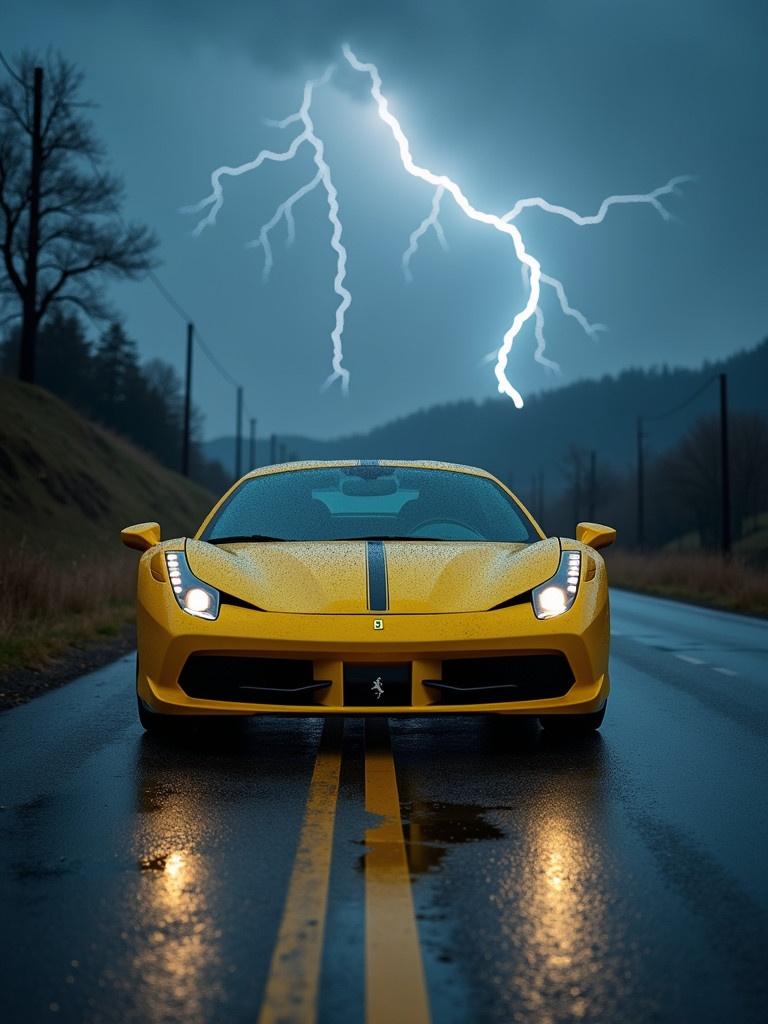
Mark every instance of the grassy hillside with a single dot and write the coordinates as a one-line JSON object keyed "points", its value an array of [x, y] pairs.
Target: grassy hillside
{"points": [[66, 488]]}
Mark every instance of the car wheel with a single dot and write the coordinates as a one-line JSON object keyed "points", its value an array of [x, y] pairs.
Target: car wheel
{"points": [[573, 725]]}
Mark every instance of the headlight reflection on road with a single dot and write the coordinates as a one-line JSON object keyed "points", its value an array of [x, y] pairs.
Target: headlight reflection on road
{"points": [[179, 959], [563, 913], [557, 925], [562, 931]]}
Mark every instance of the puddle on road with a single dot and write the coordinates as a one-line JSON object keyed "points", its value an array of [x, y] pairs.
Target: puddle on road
{"points": [[432, 828]]}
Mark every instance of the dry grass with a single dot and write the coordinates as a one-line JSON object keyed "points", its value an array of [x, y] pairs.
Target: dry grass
{"points": [[66, 489], [47, 607], [702, 577]]}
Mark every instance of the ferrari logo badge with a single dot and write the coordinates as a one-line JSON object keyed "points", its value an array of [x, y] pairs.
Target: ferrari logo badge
{"points": [[377, 688], [378, 623]]}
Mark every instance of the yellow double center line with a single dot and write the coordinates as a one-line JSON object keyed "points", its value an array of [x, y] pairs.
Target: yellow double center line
{"points": [[395, 989], [394, 973]]}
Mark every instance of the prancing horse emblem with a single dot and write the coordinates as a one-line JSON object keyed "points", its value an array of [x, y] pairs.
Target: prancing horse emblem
{"points": [[377, 688]]}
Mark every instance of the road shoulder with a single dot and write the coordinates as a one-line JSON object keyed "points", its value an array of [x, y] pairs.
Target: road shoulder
{"points": [[18, 686]]}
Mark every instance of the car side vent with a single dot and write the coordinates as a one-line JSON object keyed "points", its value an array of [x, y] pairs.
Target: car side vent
{"points": [[239, 603], [524, 598]]}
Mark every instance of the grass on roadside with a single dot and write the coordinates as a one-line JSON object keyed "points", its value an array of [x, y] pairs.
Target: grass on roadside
{"points": [[47, 607], [702, 577]]}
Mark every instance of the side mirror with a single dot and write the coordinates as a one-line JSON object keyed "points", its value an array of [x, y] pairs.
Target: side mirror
{"points": [[595, 534], [141, 537]]}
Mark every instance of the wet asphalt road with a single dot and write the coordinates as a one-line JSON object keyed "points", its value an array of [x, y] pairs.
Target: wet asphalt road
{"points": [[619, 878]]}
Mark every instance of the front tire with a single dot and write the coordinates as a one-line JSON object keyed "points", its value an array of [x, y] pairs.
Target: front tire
{"points": [[573, 725], [160, 725]]}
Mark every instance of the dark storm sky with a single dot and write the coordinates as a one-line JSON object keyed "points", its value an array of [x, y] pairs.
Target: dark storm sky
{"points": [[569, 99]]}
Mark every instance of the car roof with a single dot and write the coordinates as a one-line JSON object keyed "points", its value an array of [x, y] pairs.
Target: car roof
{"points": [[284, 467]]}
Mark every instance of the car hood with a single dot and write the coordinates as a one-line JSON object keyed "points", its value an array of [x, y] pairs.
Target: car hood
{"points": [[332, 577]]}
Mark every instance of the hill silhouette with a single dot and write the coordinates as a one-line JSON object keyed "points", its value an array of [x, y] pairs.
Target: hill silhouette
{"points": [[516, 445]]}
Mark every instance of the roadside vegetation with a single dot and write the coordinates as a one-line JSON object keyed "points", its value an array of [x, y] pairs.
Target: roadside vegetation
{"points": [[67, 487], [698, 576], [47, 608]]}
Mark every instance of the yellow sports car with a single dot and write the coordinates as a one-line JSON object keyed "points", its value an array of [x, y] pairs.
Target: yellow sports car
{"points": [[372, 587]]}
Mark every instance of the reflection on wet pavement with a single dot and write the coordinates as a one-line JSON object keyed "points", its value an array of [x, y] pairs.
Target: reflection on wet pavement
{"points": [[432, 827], [176, 952], [553, 881]]}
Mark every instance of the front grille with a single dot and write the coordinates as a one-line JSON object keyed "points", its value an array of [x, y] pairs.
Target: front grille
{"points": [[512, 678], [251, 680], [377, 685]]}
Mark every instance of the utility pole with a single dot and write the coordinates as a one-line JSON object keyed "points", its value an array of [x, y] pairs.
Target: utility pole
{"points": [[29, 304], [592, 484], [239, 435], [725, 470], [577, 487], [187, 403], [252, 444], [640, 485], [272, 449]]}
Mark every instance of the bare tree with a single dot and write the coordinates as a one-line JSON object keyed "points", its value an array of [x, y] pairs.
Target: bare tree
{"points": [[686, 480], [61, 231]]}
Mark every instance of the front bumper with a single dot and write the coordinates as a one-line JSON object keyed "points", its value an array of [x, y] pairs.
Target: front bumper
{"points": [[168, 638]]}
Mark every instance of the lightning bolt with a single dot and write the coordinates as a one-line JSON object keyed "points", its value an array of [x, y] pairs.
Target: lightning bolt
{"points": [[532, 273], [431, 221], [651, 198], [541, 343], [450, 186], [214, 201]]}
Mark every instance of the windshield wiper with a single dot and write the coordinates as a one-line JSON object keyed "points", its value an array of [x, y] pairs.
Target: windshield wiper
{"points": [[388, 536], [242, 540]]}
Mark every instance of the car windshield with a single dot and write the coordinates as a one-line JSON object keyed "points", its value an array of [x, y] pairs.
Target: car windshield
{"points": [[369, 503]]}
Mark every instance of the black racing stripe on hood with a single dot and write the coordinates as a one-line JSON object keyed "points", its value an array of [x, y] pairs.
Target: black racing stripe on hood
{"points": [[376, 571]]}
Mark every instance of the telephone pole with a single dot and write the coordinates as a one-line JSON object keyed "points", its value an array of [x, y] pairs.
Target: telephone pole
{"points": [[725, 470], [29, 303], [640, 485], [187, 403], [252, 444], [239, 435], [592, 485]]}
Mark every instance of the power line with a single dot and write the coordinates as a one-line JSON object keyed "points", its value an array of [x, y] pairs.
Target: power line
{"points": [[11, 71], [682, 405], [188, 318], [167, 296]]}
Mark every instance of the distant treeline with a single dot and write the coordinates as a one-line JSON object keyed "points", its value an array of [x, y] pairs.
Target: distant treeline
{"points": [[106, 382]]}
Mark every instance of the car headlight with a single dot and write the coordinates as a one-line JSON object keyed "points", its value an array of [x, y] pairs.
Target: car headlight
{"points": [[558, 594], [193, 596]]}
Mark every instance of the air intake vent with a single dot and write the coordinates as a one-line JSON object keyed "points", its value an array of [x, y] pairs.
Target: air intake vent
{"points": [[512, 678], [251, 680]]}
